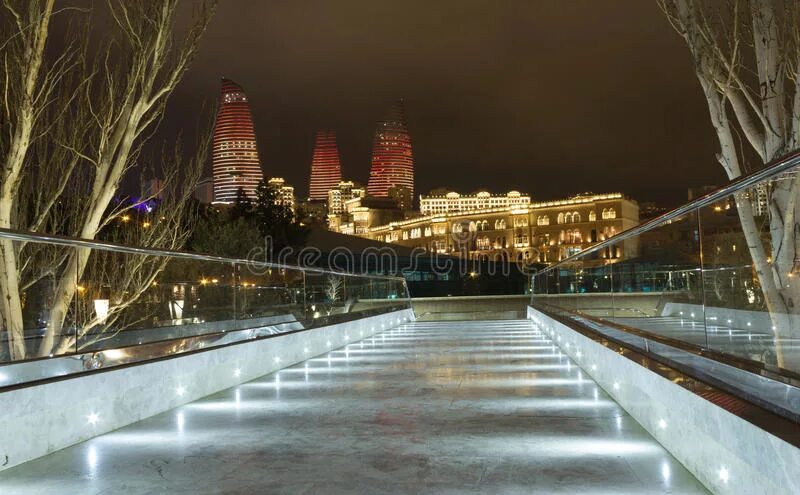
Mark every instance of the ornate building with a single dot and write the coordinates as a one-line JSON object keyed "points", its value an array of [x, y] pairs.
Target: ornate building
{"points": [[438, 202], [235, 160], [543, 232], [392, 155], [326, 169]]}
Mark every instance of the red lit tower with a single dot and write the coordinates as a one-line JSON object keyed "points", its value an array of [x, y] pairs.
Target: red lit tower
{"points": [[235, 160], [392, 156], [326, 170]]}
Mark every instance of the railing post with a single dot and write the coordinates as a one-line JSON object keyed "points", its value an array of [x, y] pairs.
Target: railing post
{"points": [[305, 298], [702, 272]]}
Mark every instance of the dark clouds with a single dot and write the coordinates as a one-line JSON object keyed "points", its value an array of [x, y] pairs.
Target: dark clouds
{"points": [[552, 98]]}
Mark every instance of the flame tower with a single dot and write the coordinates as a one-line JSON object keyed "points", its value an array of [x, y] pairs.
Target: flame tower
{"points": [[392, 156], [235, 160], [326, 170]]}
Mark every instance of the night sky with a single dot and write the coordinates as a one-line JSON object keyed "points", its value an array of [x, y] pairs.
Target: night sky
{"points": [[550, 98]]}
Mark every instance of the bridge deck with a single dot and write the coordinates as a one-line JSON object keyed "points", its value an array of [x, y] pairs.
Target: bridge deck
{"points": [[433, 407]]}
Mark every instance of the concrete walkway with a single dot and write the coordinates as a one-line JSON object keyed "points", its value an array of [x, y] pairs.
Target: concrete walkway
{"points": [[434, 407]]}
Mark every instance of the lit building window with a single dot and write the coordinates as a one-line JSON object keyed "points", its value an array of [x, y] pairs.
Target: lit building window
{"points": [[609, 213]]}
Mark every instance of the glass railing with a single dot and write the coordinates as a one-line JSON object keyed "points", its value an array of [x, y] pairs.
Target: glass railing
{"points": [[719, 275], [79, 305]]}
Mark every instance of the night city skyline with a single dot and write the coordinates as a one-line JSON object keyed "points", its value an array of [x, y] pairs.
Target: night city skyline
{"points": [[497, 98], [359, 246]]}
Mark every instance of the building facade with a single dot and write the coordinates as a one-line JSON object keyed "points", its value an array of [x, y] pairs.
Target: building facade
{"points": [[344, 191], [361, 213], [235, 159], [544, 232], [326, 169], [441, 202], [392, 155], [284, 193]]}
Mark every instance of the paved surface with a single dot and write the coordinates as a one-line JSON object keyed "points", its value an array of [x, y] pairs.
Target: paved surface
{"points": [[434, 407]]}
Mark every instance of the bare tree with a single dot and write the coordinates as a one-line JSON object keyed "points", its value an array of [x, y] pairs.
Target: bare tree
{"points": [[333, 288], [89, 121], [747, 60]]}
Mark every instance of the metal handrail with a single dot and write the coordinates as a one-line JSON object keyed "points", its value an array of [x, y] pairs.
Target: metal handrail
{"points": [[776, 167], [110, 246]]}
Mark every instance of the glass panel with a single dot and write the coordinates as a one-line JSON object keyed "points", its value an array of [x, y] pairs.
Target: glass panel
{"points": [[130, 299], [659, 289], [33, 323], [265, 295], [749, 315], [594, 296]]}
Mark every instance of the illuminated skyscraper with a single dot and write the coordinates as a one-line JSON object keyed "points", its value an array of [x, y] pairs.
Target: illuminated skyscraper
{"points": [[392, 156], [236, 164], [326, 170]]}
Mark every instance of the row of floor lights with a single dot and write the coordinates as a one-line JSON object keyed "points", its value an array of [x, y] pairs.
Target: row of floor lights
{"points": [[724, 474], [93, 417]]}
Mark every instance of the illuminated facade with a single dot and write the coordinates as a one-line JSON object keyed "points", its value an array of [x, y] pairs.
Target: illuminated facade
{"points": [[326, 169], [453, 202], [344, 191], [392, 155], [284, 193], [236, 164], [543, 232]]}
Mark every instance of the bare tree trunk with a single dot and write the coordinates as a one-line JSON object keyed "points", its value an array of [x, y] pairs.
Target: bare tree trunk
{"points": [[27, 52]]}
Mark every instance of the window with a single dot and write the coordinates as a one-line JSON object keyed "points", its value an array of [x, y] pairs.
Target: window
{"points": [[609, 213], [500, 224], [576, 217], [592, 216], [543, 220], [560, 218]]}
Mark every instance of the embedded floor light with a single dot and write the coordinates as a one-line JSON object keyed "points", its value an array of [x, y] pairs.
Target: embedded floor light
{"points": [[662, 424], [616, 385], [93, 418], [305, 350], [723, 474], [180, 390]]}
